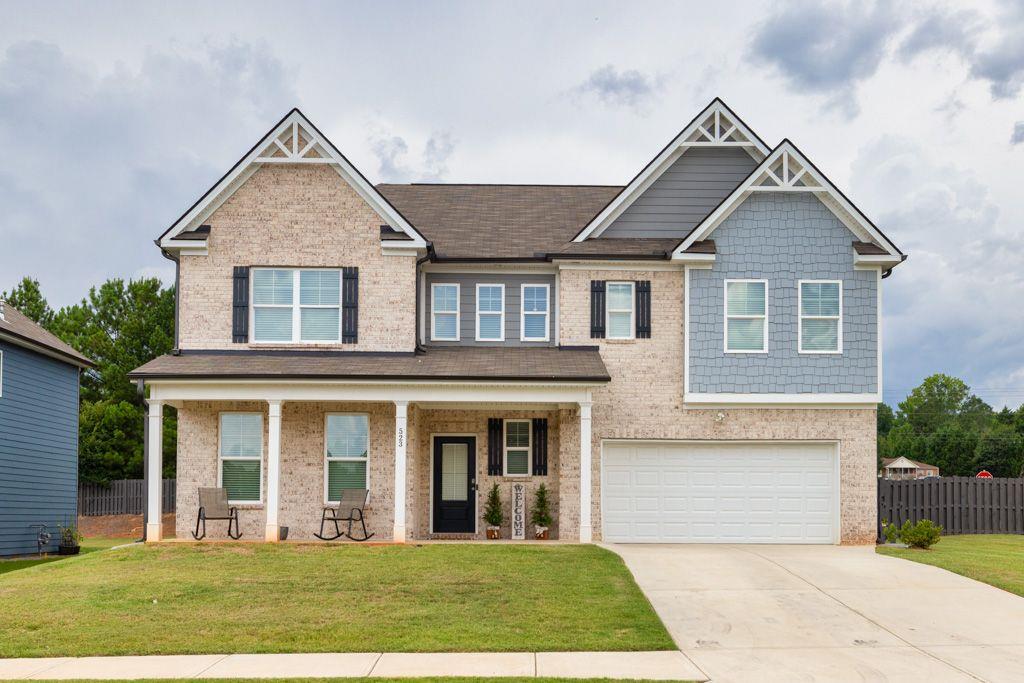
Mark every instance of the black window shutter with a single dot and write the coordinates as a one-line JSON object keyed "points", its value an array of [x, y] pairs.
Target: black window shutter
{"points": [[540, 446], [350, 306], [494, 450], [240, 305], [643, 309], [597, 309]]}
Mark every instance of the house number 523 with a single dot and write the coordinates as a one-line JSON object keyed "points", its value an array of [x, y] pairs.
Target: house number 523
{"points": [[401, 436]]}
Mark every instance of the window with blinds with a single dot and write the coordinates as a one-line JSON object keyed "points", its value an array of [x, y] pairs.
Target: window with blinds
{"points": [[821, 316], [490, 312], [746, 316], [535, 302], [346, 454], [620, 311], [444, 306], [296, 305], [241, 456], [517, 448]]}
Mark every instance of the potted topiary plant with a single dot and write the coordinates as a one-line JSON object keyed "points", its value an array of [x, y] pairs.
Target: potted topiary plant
{"points": [[70, 541], [493, 514], [541, 514]]}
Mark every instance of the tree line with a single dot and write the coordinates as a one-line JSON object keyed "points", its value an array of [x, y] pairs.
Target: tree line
{"points": [[119, 325], [943, 423]]}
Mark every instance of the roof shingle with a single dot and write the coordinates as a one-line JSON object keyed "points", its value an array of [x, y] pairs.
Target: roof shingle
{"points": [[19, 326]]}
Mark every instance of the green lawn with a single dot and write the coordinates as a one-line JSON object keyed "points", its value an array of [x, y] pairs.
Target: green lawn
{"points": [[229, 598], [995, 559], [89, 545]]}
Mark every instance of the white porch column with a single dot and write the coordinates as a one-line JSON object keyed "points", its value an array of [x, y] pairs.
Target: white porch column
{"points": [[273, 534], [586, 534], [154, 473], [401, 439]]}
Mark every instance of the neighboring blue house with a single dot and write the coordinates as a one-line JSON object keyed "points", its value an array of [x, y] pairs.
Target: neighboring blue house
{"points": [[38, 432]]}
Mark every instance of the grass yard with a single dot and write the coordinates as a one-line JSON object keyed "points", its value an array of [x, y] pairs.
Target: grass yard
{"points": [[995, 559], [251, 598], [89, 545]]}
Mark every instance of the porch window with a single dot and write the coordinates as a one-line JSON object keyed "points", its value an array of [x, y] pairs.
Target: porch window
{"points": [[620, 310], [444, 306], [534, 325], [346, 449], [490, 312], [517, 448], [241, 456], [296, 305]]}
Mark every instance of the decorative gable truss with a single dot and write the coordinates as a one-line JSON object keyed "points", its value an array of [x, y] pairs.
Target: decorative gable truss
{"points": [[294, 140], [786, 169], [715, 126]]}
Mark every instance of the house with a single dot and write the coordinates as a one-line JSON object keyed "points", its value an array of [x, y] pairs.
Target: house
{"points": [[38, 433], [694, 356], [905, 468]]}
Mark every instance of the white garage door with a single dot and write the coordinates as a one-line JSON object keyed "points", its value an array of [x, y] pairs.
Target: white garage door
{"points": [[678, 492]]}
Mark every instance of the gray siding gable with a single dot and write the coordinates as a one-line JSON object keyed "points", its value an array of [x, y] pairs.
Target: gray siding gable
{"points": [[467, 306], [38, 447], [684, 194], [783, 238]]}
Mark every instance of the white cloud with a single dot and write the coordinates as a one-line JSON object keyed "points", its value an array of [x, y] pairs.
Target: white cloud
{"points": [[628, 88]]}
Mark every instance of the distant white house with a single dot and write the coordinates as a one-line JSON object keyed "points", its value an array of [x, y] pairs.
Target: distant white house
{"points": [[905, 468]]}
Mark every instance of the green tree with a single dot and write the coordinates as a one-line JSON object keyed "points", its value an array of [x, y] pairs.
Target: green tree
{"points": [[28, 298], [1000, 450], [885, 419], [939, 399], [952, 448]]}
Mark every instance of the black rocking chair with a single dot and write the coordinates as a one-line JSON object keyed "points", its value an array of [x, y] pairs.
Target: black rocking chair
{"points": [[348, 509], [213, 505]]}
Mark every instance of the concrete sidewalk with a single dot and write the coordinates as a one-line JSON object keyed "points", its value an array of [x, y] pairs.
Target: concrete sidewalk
{"points": [[662, 665]]}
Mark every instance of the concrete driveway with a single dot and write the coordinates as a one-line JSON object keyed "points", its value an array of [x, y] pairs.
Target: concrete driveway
{"points": [[827, 613]]}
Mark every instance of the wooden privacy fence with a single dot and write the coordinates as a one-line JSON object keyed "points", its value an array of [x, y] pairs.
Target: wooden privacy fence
{"points": [[122, 497], [962, 505]]}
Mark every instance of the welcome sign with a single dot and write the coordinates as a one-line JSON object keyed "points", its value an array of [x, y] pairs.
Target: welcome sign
{"points": [[518, 512]]}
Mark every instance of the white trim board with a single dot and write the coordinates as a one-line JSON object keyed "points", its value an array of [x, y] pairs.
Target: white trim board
{"points": [[726, 130], [278, 146], [868, 400], [795, 174]]}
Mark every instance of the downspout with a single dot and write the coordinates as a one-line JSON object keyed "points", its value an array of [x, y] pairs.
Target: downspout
{"points": [[420, 261]]}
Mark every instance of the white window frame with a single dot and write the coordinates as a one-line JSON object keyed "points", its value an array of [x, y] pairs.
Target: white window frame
{"points": [[505, 448], [523, 312], [800, 317], [295, 305], [221, 457], [632, 310], [328, 460], [501, 314], [433, 311], [725, 309]]}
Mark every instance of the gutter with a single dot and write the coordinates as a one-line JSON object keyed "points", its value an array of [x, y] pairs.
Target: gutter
{"points": [[429, 256]]}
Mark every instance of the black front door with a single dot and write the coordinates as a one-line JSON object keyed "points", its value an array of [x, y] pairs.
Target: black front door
{"points": [[454, 484]]}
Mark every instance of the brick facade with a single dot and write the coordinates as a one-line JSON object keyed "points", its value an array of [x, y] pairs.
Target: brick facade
{"points": [[301, 215]]}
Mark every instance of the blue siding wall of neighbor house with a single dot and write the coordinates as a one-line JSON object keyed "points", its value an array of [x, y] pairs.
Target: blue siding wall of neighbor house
{"points": [[783, 238], [38, 447], [684, 194], [513, 303]]}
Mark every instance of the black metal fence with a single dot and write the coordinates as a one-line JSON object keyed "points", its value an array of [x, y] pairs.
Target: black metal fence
{"points": [[962, 505], [122, 497]]}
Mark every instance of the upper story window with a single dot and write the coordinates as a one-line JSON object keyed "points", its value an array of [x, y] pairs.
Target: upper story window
{"points": [[241, 456], [444, 306], [346, 449], [296, 305], [490, 312], [620, 310], [517, 448], [534, 323], [821, 316], [746, 316]]}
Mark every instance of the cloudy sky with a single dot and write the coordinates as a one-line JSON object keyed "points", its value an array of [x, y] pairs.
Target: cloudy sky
{"points": [[115, 117]]}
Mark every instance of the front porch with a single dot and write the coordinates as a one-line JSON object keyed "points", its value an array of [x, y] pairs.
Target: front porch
{"points": [[421, 445]]}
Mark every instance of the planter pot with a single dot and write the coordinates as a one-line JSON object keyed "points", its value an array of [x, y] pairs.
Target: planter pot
{"points": [[493, 533], [541, 533], [68, 549], [284, 533]]}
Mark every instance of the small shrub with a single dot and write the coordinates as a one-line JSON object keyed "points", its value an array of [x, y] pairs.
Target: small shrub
{"points": [[891, 531], [69, 536], [493, 514], [541, 515], [922, 535]]}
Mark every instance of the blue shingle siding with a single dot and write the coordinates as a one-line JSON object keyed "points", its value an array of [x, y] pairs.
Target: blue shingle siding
{"points": [[38, 447], [783, 238]]}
